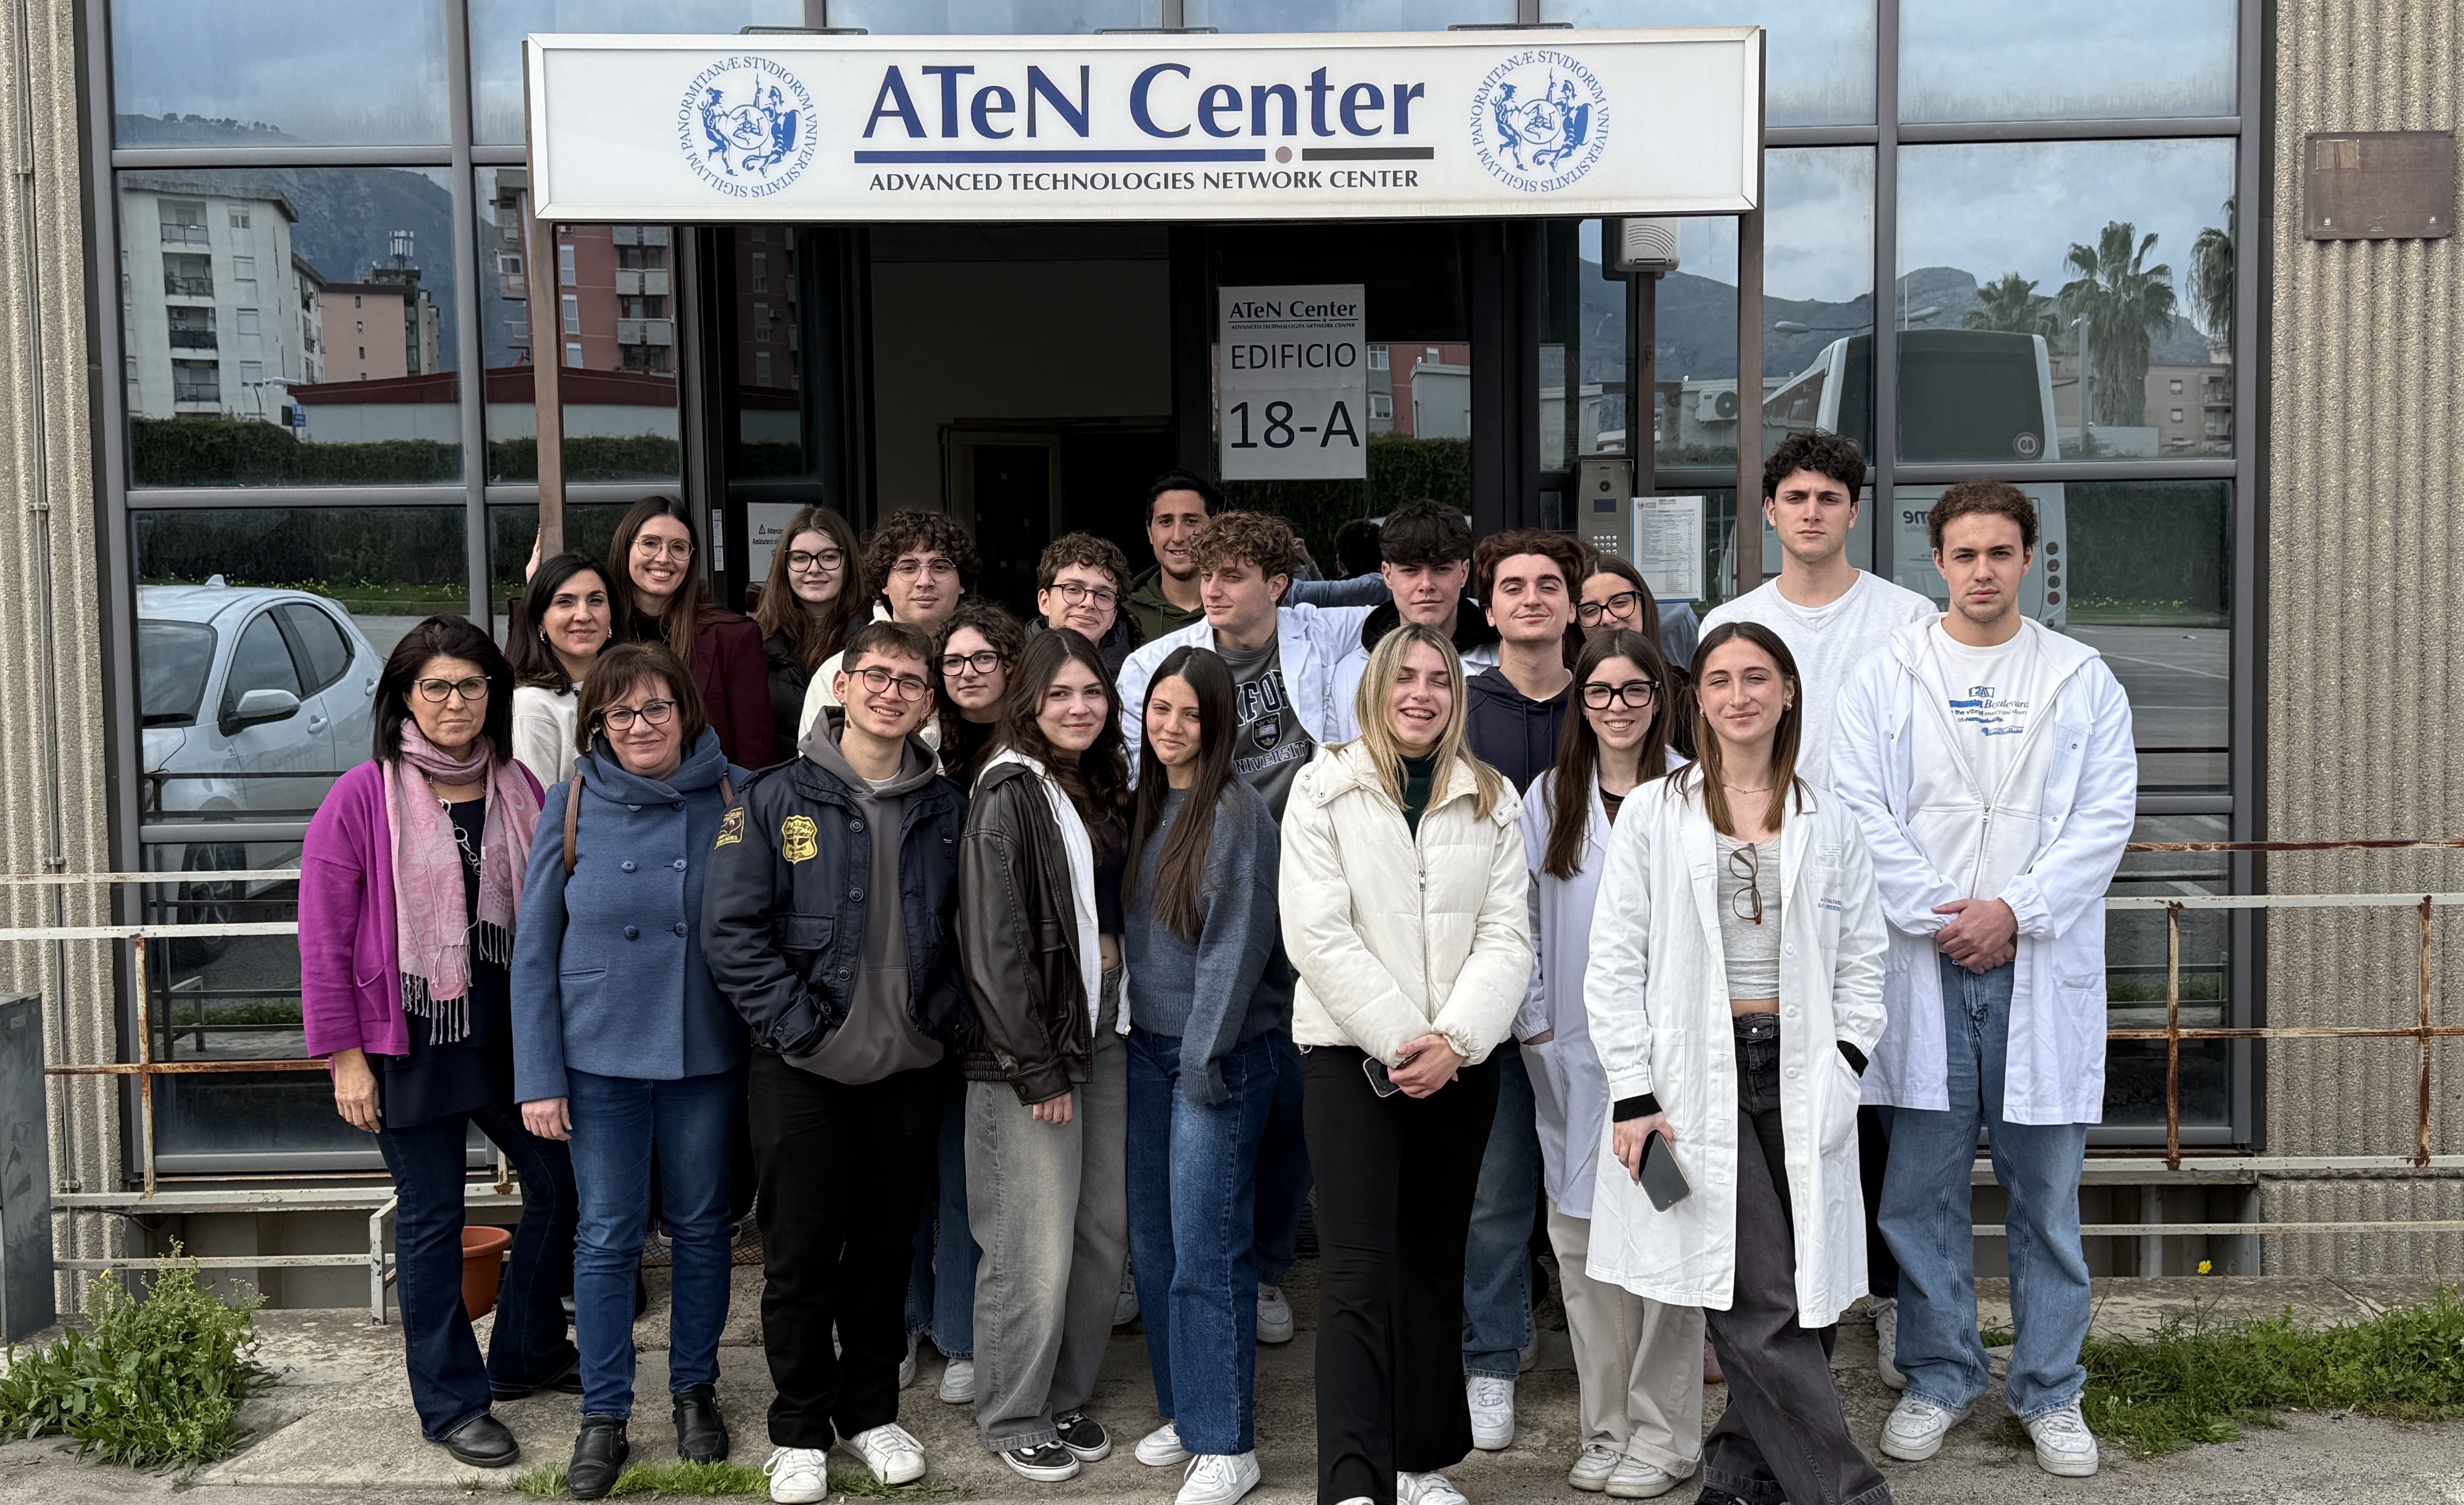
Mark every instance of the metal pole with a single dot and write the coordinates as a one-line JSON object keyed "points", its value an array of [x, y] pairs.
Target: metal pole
{"points": [[1642, 379], [542, 281], [1883, 524], [1749, 400], [2421, 1089], [144, 1062], [2173, 1037]]}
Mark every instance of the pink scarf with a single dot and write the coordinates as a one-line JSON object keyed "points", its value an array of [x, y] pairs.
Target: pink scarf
{"points": [[436, 938]]}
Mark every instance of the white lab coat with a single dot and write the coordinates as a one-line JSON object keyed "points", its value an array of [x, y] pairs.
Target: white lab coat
{"points": [[2053, 1071], [1656, 991], [1313, 641]]}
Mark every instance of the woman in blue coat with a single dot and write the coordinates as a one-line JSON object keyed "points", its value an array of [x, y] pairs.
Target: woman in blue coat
{"points": [[622, 1042]]}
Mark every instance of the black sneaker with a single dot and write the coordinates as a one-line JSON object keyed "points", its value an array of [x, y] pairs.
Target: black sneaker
{"points": [[1084, 1436], [1045, 1463]]}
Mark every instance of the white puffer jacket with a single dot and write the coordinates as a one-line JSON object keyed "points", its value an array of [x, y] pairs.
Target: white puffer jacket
{"points": [[1393, 934]]}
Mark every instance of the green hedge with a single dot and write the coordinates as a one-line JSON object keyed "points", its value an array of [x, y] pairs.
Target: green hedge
{"points": [[2158, 552], [238, 451], [637, 457]]}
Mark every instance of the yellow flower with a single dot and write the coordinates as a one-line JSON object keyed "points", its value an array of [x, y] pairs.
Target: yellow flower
{"points": [[2206, 1266]]}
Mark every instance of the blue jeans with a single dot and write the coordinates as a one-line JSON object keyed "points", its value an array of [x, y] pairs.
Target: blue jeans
{"points": [[448, 1380], [1497, 1259], [618, 1122], [1193, 1174], [1282, 1166], [946, 1308], [1925, 1217]]}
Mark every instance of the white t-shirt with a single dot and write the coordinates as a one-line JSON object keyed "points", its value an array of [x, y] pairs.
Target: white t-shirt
{"points": [[1827, 641], [1991, 696]]}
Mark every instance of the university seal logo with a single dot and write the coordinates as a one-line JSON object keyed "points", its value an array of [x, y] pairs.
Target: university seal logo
{"points": [[1539, 120], [746, 126]]}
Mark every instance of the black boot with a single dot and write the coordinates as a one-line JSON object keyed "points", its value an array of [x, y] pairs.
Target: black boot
{"points": [[482, 1442], [701, 1431], [599, 1455]]}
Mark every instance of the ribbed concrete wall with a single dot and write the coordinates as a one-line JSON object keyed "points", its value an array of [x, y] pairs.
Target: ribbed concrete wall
{"points": [[52, 764], [2366, 680]]}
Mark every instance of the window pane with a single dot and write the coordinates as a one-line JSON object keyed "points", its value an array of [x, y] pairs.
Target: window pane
{"points": [[766, 284], [1820, 63], [279, 72], [497, 28], [514, 530], [2023, 264], [2083, 59], [997, 18], [2141, 571], [289, 326], [1347, 15], [2135, 977]]}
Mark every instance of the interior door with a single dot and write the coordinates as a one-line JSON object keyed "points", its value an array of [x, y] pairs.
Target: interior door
{"points": [[1006, 493]]}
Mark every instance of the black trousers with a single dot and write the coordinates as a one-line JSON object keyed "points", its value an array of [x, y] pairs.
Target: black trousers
{"points": [[1873, 1158], [1396, 1177], [845, 1172], [1785, 1434]]}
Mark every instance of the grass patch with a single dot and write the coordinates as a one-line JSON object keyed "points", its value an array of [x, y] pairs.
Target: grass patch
{"points": [[678, 1480], [2198, 1381]]}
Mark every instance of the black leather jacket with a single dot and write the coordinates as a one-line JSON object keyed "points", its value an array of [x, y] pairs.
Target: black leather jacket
{"points": [[1017, 927], [783, 907]]}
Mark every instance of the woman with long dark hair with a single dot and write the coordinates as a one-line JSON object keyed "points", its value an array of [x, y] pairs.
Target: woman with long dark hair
{"points": [[1040, 925], [1637, 1362], [1739, 1045], [563, 621], [1214, 997], [814, 597], [662, 597], [975, 654], [410, 882]]}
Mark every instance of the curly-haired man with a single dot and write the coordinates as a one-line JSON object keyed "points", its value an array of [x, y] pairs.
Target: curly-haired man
{"points": [[925, 561]]}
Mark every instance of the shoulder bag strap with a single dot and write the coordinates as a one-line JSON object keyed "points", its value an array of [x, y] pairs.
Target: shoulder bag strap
{"points": [[572, 817]]}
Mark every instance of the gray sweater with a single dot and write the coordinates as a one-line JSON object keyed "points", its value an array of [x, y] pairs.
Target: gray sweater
{"points": [[1230, 983]]}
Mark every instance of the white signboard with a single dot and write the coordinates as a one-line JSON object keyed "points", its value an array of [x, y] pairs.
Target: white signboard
{"points": [[1668, 546], [764, 525], [1386, 126], [1291, 383]]}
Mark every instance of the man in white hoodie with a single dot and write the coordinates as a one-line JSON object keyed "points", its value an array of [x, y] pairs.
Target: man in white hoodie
{"points": [[1991, 762]]}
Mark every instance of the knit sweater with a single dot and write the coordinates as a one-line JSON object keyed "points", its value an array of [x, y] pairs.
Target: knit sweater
{"points": [[1230, 983]]}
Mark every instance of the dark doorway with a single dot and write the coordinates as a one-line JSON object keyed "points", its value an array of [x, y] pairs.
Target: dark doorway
{"points": [[1013, 505]]}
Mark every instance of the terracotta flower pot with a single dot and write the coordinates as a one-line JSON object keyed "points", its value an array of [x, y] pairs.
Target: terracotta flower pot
{"points": [[483, 1266]]}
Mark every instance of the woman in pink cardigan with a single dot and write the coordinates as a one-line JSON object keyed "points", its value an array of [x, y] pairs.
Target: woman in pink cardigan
{"points": [[409, 882]]}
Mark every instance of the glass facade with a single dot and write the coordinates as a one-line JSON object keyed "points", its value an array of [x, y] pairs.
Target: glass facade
{"points": [[2033, 229]]}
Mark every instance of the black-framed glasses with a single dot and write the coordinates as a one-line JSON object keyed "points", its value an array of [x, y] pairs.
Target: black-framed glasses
{"points": [[881, 682], [653, 712], [435, 691], [1637, 693], [984, 660], [803, 559], [1746, 865], [1077, 593], [1621, 604]]}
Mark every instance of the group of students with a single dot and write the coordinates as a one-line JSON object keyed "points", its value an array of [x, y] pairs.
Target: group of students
{"points": [[1059, 951]]}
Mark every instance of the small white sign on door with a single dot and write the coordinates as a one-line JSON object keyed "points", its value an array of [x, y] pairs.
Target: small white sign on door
{"points": [[765, 523], [1291, 383], [1668, 546]]}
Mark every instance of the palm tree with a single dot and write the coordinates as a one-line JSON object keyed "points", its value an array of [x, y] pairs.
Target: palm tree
{"points": [[2211, 275], [2012, 305], [2126, 303]]}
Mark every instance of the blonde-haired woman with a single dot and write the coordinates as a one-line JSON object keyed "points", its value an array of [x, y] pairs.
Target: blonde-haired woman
{"points": [[1735, 986], [1402, 890]]}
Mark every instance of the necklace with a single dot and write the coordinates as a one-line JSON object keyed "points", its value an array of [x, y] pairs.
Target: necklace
{"points": [[1739, 788], [461, 839]]}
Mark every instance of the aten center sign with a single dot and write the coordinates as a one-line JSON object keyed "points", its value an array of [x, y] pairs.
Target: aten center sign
{"points": [[1394, 126]]}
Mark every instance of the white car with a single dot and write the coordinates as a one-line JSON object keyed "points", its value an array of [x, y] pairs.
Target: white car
{"points": [[252, 701]]}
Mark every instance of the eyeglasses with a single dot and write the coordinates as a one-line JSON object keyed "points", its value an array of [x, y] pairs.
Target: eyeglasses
{"points": [[653, 713], [435, 690], [1621, 604], [1746, 865], [671, 548], [804, 560], [1076, 594], [984, 660], [1637, 693], [908, 569], [881, 682]]}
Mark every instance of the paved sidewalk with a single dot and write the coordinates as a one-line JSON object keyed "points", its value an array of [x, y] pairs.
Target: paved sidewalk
{"points": [[339, 1428]]}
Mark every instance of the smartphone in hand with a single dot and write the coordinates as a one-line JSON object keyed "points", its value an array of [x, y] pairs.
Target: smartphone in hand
{"points": [[1379, 1083], [1662, 1181]]}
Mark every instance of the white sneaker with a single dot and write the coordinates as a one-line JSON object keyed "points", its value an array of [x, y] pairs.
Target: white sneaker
{"points": [[1426, 1489], [1637, 1480], [2064, 1445], [907, 1365], [1590, 1472], [1216, 1479], [958, 1381], [1125, 1306], [1492, 1412], [1161, 1449], [1274, 1316], [1886, 1342], [892, 1455], [1917, 1428], [798, 1476]]}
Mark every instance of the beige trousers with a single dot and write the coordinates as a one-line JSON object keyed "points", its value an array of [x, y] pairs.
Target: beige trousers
{"points": [[1639, 1362]]}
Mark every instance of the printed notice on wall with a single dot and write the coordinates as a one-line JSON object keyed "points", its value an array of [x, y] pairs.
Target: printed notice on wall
{"points": [[1668, 546], [1291, 383]]}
